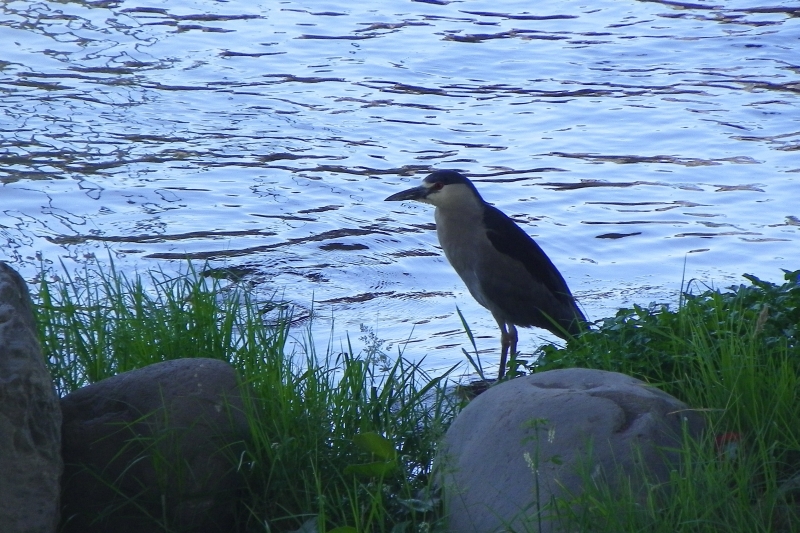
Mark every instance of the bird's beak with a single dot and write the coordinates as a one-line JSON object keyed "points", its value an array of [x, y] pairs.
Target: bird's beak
{"points": [[417, 193]]}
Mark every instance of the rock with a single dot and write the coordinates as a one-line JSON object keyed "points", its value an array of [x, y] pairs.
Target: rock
{"points": [[558, 423], [154, 449], [30, 418]]}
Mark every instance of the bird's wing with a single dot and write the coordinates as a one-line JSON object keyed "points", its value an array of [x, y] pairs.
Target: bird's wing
{"points": [[510, 239]]}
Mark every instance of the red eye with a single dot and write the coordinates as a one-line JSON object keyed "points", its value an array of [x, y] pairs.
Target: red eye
{"points": [[437, 186]]}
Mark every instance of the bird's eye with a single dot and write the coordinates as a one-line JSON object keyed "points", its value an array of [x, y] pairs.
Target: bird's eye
{"points": [[437, 186]]}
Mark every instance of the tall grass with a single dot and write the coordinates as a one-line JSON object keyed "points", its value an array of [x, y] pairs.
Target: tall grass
{"points": [[339, 443], [101, 323], [735, 356], [336, 442]]}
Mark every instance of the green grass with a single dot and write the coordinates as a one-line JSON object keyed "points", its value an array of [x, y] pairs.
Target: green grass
{"points": [[346, 443], [734, 355], [320, 426]]}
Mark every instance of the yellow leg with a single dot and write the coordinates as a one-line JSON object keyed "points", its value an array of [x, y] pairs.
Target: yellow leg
{"points": [[508, 341]]}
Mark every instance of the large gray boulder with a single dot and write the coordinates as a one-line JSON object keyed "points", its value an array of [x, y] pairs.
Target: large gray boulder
{"points": [[562, 426], [30, 418], [154, 449]]}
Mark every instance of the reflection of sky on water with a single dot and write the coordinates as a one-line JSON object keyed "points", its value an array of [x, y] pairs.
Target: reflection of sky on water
{"points": [[638, 142]]}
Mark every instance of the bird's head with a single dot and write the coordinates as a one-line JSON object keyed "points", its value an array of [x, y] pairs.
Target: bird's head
{"points": [[445, 189]]}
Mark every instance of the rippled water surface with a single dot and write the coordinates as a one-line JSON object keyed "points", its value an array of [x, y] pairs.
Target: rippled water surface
{"points": [[639, 142]]}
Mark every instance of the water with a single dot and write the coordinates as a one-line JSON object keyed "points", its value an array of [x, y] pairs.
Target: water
{"points": [[640, 143]]}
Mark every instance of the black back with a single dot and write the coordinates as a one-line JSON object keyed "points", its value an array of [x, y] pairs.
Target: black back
{"points": [[508, 238]]}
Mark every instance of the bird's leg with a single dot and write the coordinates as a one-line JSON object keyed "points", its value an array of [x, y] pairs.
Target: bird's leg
{"points": [[508, 340], [508, 343], [503, 351], [512, 334]]}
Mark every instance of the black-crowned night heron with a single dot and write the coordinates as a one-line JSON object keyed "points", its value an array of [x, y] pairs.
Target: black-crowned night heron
{"points": [[503, 268]]}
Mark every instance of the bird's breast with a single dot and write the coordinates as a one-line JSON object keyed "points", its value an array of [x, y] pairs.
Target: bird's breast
{"points": [[459, 235], [464, 242]]}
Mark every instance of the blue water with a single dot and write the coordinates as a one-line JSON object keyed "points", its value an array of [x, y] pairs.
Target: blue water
{"points": [[640, 143]]}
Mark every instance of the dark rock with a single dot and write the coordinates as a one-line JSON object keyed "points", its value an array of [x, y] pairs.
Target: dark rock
{"points": [[154, 449], [562, 426], [30, 418]]}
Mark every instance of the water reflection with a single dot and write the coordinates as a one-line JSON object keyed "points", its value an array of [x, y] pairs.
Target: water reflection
{"points": [[640, 143]]}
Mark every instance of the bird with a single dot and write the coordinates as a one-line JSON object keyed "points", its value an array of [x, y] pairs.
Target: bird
{"points": [[501, 265]]}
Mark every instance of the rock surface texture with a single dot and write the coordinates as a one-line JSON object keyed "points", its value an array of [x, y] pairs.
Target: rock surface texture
{"points": [[154, 449], [559, 423], [30, 418]]}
